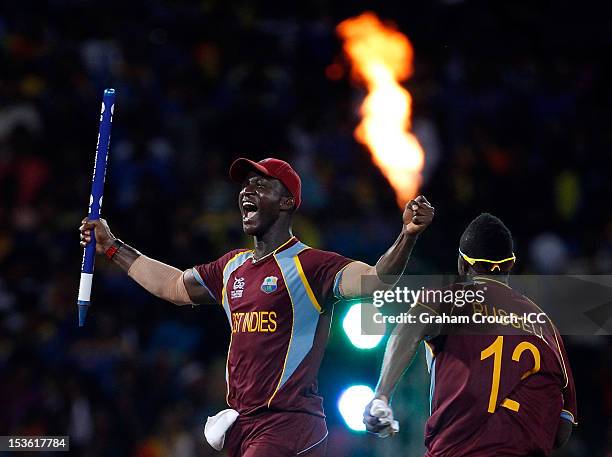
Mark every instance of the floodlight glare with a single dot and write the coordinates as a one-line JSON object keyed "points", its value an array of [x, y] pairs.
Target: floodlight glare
{"points": [[352, 328]]}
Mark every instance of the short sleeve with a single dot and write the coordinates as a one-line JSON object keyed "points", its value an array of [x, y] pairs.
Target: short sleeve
{"points": [[570, 408], [210, 275], [323, 270]]}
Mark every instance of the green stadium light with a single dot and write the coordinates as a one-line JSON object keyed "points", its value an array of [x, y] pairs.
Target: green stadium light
{"points": [[352, 328], [352, 403]]}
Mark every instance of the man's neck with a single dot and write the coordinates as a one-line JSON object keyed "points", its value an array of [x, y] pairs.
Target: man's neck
{"points": [[270, 241]]}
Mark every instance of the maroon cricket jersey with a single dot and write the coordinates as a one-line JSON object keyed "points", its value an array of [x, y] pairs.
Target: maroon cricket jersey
{"points": [[496, 389], [279, 309]]}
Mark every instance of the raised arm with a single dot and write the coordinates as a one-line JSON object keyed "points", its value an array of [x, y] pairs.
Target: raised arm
{"points": [[418, 214], [163, 281]]}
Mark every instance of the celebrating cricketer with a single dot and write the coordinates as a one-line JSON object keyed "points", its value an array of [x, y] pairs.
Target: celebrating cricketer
{"points": [[496, 390], [278, 298]]}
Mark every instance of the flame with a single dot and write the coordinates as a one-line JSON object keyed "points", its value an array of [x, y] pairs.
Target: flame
{"points": [[381, 57]]}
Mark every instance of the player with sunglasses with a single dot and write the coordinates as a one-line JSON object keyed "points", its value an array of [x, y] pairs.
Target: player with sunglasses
{"points": [[496, 389]]}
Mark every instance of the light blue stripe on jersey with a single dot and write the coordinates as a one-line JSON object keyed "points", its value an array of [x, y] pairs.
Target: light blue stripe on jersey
{"points": [[336, 288], [234, 263], [305, 314], [432, 383], [429, 357], [198, 278], [431, 367]]}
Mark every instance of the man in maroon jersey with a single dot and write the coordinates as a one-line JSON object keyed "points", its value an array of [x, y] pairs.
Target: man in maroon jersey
{"points": [[278, 298], [499, 389]]}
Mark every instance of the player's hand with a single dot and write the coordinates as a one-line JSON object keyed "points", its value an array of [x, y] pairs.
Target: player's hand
{"points": [[373, 424], [382, 426], [418, 214], [104, 237]]}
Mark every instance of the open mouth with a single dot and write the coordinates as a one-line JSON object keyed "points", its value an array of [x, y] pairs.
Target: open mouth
{"points": [[249, 209]]}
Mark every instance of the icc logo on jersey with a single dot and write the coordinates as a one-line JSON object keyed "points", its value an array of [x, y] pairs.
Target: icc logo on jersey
{"points": [[269, 284], [238, 288]]}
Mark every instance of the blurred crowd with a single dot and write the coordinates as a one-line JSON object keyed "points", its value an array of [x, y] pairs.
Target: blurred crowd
{"points": [[510, 104]]}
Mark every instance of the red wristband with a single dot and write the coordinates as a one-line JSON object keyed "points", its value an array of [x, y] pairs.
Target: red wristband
{"points": [[110, 252]]}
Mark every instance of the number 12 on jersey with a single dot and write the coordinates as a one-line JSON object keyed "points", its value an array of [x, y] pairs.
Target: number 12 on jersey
{"points": [[496, 350]]}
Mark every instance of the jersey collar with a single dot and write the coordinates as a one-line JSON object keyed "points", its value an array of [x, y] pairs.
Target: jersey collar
{"points": [[490, 280], [287, 244]]}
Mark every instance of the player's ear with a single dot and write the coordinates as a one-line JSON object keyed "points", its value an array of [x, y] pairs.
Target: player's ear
{"points": [[287, 203], [462, 266]]}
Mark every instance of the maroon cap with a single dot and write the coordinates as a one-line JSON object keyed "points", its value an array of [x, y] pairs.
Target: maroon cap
{"points": [[275, 168]]}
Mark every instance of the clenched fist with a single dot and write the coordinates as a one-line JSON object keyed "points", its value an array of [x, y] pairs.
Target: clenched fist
{"points": [[418, 214], [103, 235]]}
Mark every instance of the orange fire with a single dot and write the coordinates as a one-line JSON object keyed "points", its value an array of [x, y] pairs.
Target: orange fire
{"points": [[381, 57]]}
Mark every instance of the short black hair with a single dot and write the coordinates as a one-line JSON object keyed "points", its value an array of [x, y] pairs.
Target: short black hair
{"points": [[487, 237]]}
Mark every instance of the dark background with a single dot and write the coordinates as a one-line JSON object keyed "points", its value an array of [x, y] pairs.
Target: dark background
{"points": [[511, 104]]}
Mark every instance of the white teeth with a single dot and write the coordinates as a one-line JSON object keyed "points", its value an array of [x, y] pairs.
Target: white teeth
{"points": [[249, 209]]}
